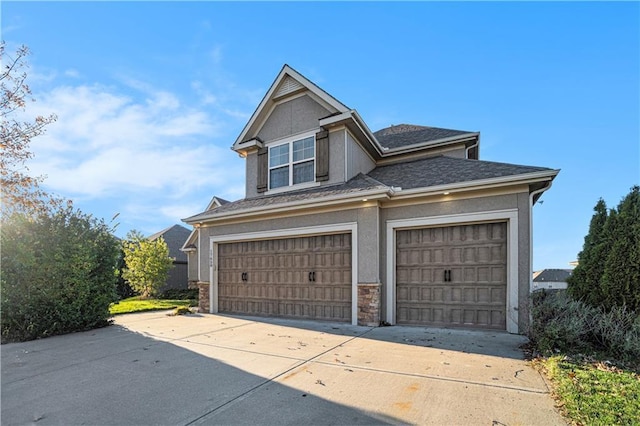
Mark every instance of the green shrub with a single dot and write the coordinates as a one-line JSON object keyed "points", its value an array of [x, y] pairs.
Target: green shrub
{"points": [[180, 294], [561, 323], [58, 274]]}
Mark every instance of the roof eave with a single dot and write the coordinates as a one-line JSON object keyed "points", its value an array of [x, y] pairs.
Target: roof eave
{"points": [[369, 195], [490, 183]]}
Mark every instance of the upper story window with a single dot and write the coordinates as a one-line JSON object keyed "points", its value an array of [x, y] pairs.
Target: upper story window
{"points": [[292, 163]]}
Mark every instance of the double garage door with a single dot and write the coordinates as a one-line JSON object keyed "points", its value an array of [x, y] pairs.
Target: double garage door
{"points": [[304, 277], [445, 276], [452, 276]]}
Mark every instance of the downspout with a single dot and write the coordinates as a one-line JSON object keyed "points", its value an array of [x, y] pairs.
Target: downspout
{"points": [[531, 197], [470, 147]]}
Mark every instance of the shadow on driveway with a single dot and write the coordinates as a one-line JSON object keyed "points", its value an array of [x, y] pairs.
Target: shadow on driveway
{"points": [[114, 376]]}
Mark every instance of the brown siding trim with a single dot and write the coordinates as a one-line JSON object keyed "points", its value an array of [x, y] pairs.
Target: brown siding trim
{"points": [[263, 169], [322, 156]]}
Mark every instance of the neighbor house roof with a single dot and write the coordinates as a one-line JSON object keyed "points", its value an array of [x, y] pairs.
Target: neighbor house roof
{"points": [[174, 236], [552, 275], [409, 134]]}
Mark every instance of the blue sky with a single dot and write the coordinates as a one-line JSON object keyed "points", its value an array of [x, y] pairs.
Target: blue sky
{"points": [[150, 96]]}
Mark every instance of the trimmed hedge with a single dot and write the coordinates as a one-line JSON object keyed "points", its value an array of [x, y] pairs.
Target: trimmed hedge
{"points": [[58, 274]]}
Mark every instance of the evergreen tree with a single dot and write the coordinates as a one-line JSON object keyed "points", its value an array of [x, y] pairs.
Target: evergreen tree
{"points": [[584, 283], [620, 281]]}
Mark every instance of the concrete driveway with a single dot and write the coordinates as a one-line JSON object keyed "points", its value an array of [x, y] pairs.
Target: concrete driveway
{"points": [[212, 369]]}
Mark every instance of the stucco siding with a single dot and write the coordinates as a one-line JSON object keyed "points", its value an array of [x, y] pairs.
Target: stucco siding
{"points": [[292, 117], [336, 157], [251, 189], [524, 260], [357, 159], [368, 245], [192, 272]]}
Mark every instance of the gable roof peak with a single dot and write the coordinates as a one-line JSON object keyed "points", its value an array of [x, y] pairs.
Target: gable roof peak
{"points": [[287, 82]]}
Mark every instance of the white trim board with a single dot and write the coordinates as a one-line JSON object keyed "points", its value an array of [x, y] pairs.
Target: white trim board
{"points": [[305, 231], [510, 215]]}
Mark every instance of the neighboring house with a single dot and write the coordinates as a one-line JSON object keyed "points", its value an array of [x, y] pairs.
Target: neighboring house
{"points": [[404, 225], [175, 236], [190, 247], [551, 279]]}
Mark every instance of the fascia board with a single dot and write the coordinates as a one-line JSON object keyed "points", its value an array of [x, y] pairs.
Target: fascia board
{"points": [[374, 194], [266, 98], [190, 240], [478, 184]]}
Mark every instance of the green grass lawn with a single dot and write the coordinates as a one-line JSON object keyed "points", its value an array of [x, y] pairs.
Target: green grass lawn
{"points": [[136, 304], [594, 393]]}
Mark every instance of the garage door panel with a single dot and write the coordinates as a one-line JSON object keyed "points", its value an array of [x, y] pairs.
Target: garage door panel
{"points": [[278, 281], [474, 293]]}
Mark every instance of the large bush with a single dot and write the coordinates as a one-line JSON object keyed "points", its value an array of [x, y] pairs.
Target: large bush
{"points": [[573, 326], [608, 273], [58, 274]]}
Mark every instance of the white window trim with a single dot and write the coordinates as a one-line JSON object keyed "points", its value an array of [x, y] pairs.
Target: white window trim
{"points": [[290, 140], [511, 217], [306, 231]]}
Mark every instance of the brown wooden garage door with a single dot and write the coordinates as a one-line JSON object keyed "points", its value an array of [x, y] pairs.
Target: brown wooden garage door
{"points": [[452, 276], [306, 277]]}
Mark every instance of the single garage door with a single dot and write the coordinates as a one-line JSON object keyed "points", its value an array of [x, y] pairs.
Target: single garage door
{"points": [[452, 276], [306, 277]]}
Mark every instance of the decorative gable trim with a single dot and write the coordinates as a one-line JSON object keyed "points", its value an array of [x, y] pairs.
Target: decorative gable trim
{"points": [[288, 86], [286, 83]]}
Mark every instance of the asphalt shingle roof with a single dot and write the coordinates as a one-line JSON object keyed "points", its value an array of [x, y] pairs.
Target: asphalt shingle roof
{"points": [[552, 275], [442, 170], [357, 184], [409, 134], [423, 173]]}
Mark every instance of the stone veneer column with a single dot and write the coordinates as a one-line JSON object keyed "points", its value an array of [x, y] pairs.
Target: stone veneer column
{"points": [[203, 296], [369, 304]]}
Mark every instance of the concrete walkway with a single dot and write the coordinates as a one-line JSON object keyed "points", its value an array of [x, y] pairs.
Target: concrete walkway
{"points": [[211, 369]]}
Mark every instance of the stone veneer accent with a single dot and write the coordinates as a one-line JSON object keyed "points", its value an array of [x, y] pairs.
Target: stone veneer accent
{"points": [[203, 296], [369, 304]]}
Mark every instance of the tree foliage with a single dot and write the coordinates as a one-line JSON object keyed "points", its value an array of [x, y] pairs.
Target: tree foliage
{"points": [[608, 273], [20, 191], [147, 263], [58, 273], [584, 283]]}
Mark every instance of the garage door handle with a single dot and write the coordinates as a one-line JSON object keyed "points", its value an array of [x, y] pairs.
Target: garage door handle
{"points": [[245, 276], [447, 275], [310, 276]]}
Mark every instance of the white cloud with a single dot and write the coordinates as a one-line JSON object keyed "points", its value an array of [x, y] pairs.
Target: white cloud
{"points": [[152, 157]]}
